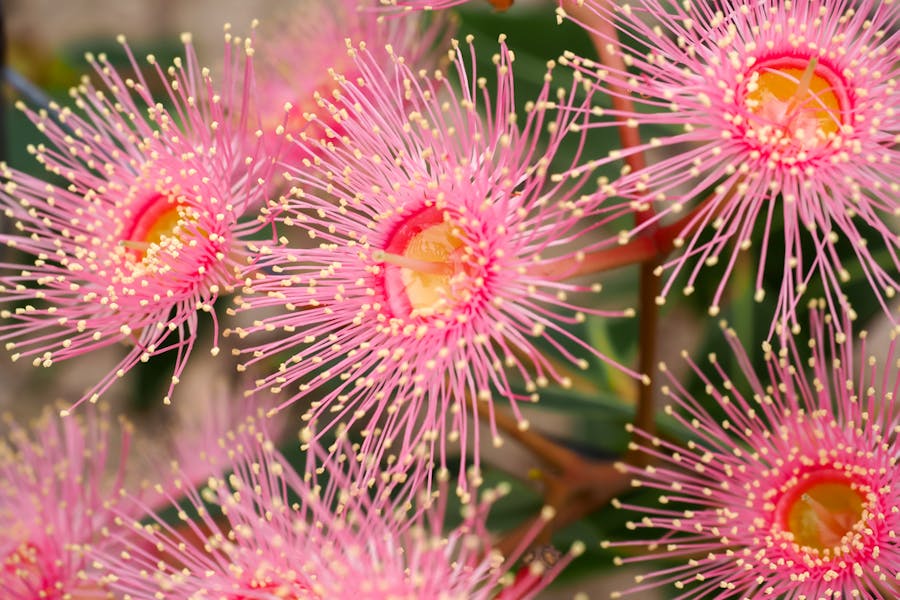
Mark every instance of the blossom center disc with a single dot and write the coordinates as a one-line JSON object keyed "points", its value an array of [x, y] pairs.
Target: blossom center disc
{"points": [[820, 511], [795, 101], [426, 266], [159, 218]]}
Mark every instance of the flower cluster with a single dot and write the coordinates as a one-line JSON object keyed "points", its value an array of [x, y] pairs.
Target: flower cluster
{"points": [[409, 244], [319, 29]]}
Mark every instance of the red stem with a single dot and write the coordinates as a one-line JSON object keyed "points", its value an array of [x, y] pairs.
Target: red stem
{"points": [[649, 247]]}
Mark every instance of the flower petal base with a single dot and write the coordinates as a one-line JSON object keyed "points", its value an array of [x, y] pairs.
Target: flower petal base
{"points": [[160, 218]]}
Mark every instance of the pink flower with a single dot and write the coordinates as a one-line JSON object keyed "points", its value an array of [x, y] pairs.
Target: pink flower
{"points": [[268, 532], [147, 231], [442, 237], [294, 58], [55, 498], [780, 115], [794, 493]]}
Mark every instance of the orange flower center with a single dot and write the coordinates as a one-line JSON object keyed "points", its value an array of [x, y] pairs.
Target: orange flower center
{"points": [[795, 101], [427, 270], [820, 511]]}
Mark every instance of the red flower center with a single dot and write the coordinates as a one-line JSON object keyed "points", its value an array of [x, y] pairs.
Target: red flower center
{"points": [[821, 509], [427, 266], [795, 103], [283, 591], [23, 569], [21, 562]]}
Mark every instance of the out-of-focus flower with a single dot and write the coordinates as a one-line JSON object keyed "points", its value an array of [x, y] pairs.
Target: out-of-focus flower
{"points": [[193, 431], [793, 491], [442, 242], [268, 532], [145, 231], [785, 116], [56, 496], [295, 56], [428, 5]]}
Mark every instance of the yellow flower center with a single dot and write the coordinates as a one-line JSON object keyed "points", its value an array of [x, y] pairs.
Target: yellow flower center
{"points": [[795, 103], [426, 266], [821, 511], [427, 289], [160, 217]]}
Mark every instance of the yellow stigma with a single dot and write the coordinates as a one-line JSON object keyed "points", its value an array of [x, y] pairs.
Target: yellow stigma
{"points": [[823, 514], [799, 100]]}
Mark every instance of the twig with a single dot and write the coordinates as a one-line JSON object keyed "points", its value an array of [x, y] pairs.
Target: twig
{"points": [[648, 314], [549, 451], [573, 485]]}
